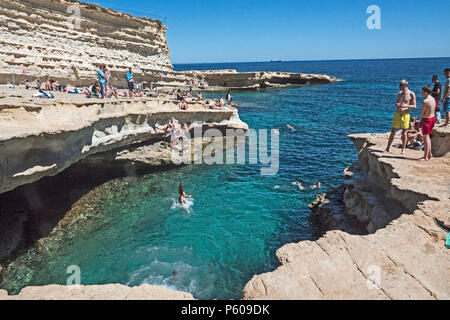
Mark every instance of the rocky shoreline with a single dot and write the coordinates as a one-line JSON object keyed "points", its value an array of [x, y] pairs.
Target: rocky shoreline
{"points": [[380, 241]]}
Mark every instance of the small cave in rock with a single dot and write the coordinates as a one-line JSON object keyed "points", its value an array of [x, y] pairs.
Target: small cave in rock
{"points": [[32, 211]]}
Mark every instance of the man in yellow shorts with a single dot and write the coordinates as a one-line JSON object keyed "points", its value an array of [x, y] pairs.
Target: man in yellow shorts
{"points": [[406, 100]]}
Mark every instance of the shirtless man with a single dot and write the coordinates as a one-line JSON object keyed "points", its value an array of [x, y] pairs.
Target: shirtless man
{"points": [[428, 114], [406, 100]]}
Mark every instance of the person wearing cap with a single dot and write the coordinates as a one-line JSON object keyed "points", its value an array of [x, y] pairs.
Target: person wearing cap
{"points": [[406, 100]]}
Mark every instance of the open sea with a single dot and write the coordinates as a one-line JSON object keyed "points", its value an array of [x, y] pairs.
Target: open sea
{"points": [[238, 218]]}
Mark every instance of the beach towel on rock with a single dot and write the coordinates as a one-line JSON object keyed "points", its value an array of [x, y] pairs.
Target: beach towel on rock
{"points": [[46, 94]]}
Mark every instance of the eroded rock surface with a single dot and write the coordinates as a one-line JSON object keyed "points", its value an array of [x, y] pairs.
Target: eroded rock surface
{"points": [[97, 292], [66, 40], [46, 38], [403, 256], [52, 135]]}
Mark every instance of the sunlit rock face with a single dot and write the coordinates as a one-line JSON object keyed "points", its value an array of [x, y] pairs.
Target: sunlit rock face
{"points": [[67, 40]]}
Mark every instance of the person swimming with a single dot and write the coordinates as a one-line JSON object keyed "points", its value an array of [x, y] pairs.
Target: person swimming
{"points": [[299, 185], [183, 195], [316, 186], [289, 127]]}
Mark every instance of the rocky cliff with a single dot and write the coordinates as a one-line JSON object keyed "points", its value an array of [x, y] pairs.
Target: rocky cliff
{"points": [[43, 138], [49, 39], [380, 240], [67, 40]]}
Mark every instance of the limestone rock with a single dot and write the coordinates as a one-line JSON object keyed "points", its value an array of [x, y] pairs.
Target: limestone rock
{"points": [[46, 38], [66, 40], [98, 292], [66, 130], [3, 294]]}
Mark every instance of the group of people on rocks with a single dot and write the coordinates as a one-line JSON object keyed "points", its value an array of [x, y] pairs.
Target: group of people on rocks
{"points": [[177, 134], [413, 129], [185, 98], [102, 88]]}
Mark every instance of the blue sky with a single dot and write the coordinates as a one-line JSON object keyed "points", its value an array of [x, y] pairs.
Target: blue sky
{"points": [[248, 30]]}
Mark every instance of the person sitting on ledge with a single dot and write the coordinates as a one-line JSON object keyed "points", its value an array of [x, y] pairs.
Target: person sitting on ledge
{"points": [[222, 102], [93, 90], [48, 85], [112, 92], [179, 95], [183, 105], [208, 105], [428, 114], [415, 137]]}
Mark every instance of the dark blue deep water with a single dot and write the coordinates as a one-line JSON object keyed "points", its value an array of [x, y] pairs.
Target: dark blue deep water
{"points": [[239, 218]]}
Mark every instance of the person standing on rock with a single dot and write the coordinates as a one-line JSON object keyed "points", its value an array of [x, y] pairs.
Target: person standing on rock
{"points": [[436, 94], [406, 100], [102, 80], [446, 97], [130, 81], [229, 97], [428, 121]]}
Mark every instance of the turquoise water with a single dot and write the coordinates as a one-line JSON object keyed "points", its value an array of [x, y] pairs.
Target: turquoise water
{"points": [[239, 218]]}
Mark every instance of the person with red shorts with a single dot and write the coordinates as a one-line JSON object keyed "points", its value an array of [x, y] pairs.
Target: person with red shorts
{"points": [[428, 120]]}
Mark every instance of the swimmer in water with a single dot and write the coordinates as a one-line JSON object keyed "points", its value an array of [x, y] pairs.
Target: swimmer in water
{"points": [[290, 127], [316, 186], [299, 185], [183, 195]]}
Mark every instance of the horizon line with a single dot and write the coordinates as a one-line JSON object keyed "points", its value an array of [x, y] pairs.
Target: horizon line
{"points": [[307, 60]]}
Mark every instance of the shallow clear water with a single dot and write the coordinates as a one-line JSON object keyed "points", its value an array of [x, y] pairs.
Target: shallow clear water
{"points": [[239, 218]]}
